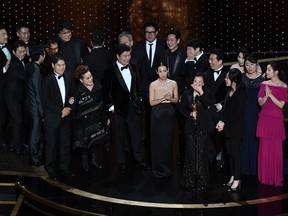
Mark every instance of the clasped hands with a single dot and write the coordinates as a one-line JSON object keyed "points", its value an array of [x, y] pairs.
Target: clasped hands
{"points": [[66, 110]]}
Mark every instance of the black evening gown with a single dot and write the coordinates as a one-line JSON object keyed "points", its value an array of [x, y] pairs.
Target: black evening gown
{"points": [[196, 164], [162, 136]]}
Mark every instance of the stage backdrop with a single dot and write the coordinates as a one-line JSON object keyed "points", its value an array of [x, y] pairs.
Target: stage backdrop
{"points": [[230, 24]]}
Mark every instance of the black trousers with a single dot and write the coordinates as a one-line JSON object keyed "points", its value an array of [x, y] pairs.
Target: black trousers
{"points": [[57, 149], [128, 125], [34, 137], [16, 110], [234, 155]]}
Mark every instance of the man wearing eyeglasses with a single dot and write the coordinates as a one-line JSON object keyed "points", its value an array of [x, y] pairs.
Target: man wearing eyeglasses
{"points": [[147, 55], [51, 48]]}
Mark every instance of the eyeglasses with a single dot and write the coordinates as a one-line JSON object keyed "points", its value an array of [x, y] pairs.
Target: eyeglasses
{"points": [[150, 32], [65, 32]]}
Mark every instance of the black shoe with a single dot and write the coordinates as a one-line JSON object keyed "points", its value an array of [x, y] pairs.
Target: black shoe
{"points": [[122, 168], [237, 188]]}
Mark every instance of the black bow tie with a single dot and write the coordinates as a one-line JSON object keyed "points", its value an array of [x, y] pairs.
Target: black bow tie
{"points": [[217, 72], [4, 46], [59, 76], [125, 67]]}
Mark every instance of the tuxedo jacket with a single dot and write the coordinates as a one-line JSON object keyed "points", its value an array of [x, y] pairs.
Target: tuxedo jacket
{"points": [[178, 71], [98, 61], [217, 88], [233, 114], [30, 44], [33, 103], [3, 61], [116, 92], [147, 74], [15, 88], [52, 100], [201, 65]]}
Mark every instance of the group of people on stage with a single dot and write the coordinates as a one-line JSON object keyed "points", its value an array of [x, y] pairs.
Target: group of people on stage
{"points": [[148, 96]]}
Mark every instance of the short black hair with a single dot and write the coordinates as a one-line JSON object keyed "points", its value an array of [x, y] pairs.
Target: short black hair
{"points": [[21, 25], [36, 51], [220, 55], [175, 32], [121, 48], [57, 57], [195, 42], [97, 38], [63, 24], [151, 24], [18, 43]]}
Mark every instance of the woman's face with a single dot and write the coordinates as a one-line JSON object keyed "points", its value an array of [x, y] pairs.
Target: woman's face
{"points": [[198, 80], [59, 67], [87, 79], [250, 67], [162, 72], [227, 80], [240, 59], [270, 72]]}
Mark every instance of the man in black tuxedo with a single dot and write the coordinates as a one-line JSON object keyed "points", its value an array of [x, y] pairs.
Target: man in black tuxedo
{"points": [[215, 83], [147, 55], [33, 105], [175, 59], [100, 57], [122, 97], [23, 33], [5, 57], [196, 60], [73, 48], [15, 93], [57, 92]]}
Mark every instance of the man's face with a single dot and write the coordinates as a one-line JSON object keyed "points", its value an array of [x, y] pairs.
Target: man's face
{"points": [[214, 62], [24, 34], [52, 50], [172, 42], [124, 58], [20, 52], [125, 40], [65, 35], [3, 36], [191, 52], [150, 33]]}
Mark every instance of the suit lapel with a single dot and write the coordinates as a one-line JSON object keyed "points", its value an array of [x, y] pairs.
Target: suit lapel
{"points": [[57, 89], [120, 77]]}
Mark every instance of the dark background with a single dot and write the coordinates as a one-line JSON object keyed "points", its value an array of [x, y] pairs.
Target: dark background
{"points": [[229, 24]]}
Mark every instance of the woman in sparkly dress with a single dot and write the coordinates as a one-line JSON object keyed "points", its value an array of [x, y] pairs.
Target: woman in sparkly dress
{"points": [[162, 94], [249, 149], [194, 106], [270, 128]]}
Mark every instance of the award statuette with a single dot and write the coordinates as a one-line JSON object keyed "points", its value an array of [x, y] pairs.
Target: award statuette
{"points": [[194, 109]]}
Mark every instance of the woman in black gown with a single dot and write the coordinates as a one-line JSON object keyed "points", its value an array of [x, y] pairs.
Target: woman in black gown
{"points": [[194, 106], [162, 94], [90, 117]]}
